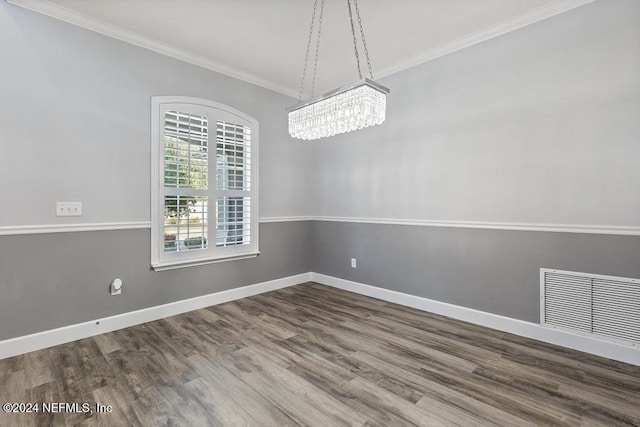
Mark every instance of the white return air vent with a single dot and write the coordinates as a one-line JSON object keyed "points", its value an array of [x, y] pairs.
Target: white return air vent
{"points": [[604, 307]]}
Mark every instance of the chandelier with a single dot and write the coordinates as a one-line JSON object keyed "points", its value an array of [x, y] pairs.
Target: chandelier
{"points": [[354, 106]]}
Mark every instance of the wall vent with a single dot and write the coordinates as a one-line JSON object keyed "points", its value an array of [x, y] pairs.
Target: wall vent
{"points": [[604, 307]]}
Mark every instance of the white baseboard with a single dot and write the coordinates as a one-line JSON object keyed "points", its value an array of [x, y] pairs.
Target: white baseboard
{"points": [[40, 340], [518, 327]]}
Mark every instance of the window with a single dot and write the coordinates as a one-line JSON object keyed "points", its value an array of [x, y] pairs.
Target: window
{"points": [[204, 189]]}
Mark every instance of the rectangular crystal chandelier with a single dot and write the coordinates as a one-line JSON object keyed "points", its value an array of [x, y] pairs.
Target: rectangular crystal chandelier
{"points": [[355, 106]]}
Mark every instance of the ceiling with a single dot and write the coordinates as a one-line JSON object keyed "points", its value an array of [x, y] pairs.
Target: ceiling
{"points": [[264, 41]]}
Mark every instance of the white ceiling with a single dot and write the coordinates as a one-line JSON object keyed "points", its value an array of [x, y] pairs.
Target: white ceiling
{"points": [[264, 41]]}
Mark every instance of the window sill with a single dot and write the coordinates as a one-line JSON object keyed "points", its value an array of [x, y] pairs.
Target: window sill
{"points": [[194, 262]]}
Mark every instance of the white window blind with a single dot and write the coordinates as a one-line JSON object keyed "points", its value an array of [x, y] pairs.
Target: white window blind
{"points": [[202, 211], [233, 179], [185, 167]]}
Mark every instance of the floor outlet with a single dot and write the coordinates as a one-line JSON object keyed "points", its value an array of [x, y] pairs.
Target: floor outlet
{"points": [[116, 287]]}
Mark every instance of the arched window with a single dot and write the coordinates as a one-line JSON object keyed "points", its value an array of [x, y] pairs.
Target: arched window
{"points": [[204, 183]]}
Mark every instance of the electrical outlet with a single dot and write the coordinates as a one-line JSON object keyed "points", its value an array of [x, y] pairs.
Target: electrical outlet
{"points": [[116, 287], [353, 263], [68, 208]]}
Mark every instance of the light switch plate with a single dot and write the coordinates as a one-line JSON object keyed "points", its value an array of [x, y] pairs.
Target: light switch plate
{"points": [[68, 208]]}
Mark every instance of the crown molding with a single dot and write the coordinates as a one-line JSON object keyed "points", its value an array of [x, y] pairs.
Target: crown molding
{"points": [[530, 17], [67, 15], [81, 20]]}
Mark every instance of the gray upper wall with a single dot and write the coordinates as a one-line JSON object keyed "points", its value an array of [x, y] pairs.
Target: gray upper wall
{"points": [[541, 125], [75, 124]]}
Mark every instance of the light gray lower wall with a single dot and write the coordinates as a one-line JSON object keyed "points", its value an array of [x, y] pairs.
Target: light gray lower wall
{"points": [[496, 271], [54, 280]]}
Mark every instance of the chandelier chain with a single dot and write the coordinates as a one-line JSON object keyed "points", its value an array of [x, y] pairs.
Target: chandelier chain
{"points": [[364, 40], [315, 64], [306, 56], [355, 41]]}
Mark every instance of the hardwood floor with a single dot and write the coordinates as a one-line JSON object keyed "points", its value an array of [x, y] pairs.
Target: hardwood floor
{"points": [[314, 355]]}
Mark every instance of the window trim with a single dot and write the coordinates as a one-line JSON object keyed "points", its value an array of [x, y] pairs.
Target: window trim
{"points": [[215, 255]]}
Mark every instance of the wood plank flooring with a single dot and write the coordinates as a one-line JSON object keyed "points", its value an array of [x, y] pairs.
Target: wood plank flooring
{"points": [[314, 355]]}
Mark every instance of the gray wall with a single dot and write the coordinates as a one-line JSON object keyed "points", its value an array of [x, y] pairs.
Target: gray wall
{"points": [[541, 125], [54, 280], [75, 124], [496, 271]]}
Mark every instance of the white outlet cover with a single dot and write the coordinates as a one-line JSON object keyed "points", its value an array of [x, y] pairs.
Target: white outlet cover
{"points": [[68, 208], [116, 287]]}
